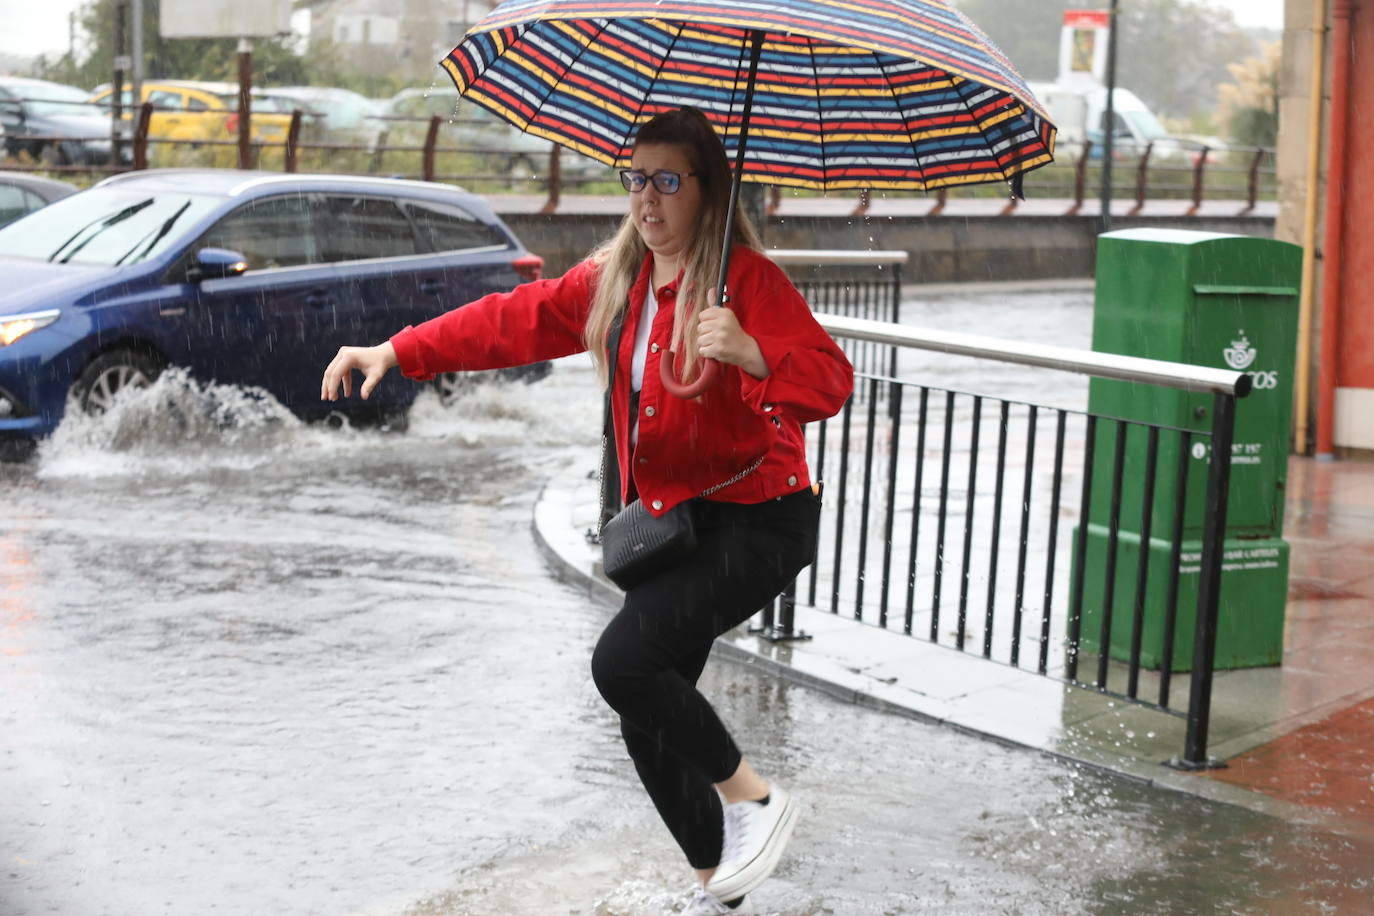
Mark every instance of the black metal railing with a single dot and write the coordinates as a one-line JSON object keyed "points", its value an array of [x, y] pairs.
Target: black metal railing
{"points": [[855, 284], [950, 516]]}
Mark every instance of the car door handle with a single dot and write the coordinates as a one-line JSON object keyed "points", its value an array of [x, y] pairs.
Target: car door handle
{"points": [[318, 298], [431, 287]]}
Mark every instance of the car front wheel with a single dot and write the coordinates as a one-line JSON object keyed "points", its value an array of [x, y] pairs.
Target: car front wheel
{"points": [[109, 374]]}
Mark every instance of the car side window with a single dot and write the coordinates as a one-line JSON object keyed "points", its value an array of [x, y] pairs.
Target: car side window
{"points": [[358, 228], [165, 101], [274, 232], [447, 227], [12, 204], [195, 104]]}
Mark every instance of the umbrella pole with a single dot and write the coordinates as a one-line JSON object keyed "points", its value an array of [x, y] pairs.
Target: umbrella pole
{"points": [[755, 52], [667, 366]]}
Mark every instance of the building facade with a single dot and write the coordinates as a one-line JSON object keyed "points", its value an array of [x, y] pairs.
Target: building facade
{"points": [[1326, 150], [405, 37]]}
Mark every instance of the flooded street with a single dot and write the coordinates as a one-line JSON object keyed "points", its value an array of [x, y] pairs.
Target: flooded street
{"points": [[254, 667]]}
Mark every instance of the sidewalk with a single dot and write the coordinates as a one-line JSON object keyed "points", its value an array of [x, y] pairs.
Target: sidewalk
{"points": [[1298, 739]]}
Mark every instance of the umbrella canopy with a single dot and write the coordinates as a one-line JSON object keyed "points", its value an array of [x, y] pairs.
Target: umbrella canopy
{"points": [[883, 94]]}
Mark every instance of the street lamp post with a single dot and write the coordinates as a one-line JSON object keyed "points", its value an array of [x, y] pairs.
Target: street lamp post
{"points": [[1109, 118]]}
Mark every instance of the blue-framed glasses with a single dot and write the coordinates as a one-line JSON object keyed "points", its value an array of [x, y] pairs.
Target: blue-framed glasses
{"points": [[665, 182]]}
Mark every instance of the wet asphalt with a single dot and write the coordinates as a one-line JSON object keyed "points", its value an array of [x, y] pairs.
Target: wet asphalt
{"points": [[249, 666]]}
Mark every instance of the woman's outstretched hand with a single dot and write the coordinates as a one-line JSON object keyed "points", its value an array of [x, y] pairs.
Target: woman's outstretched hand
{"points": [[720, 337], [372, 362]]}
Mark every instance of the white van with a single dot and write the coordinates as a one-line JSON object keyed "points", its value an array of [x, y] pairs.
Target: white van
{"points": [[1080, 115]]}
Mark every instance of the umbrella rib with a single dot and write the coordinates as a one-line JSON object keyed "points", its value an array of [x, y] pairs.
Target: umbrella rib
{"points": [[897, 103], [820, 108], [572, 65], [668, 54], [986, 143]]}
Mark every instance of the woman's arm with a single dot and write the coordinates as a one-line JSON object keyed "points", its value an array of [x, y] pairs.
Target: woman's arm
{"points": [[535, 321], [806, 372]]}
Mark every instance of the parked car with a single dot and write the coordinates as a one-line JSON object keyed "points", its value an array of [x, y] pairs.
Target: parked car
{"points": [[516, 153], [192, 110], [244, 278], [22, 192], [54, 123], [327, 113]]}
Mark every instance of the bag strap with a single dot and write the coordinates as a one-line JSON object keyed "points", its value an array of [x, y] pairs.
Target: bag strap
{"points": [[610, 463]]}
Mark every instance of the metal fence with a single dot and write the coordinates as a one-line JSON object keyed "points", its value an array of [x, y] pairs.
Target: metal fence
{"points": [[434, 149], [960, 518]]}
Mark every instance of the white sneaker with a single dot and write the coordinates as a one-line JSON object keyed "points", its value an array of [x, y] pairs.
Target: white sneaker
{"points": [[755, 836], [704, 904]]}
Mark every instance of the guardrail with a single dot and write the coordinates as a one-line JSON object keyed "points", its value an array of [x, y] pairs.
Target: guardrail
{"points": [[1018, 602], [1011, 598], [1245, 174]]}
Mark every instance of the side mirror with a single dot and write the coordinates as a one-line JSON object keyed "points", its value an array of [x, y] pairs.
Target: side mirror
{"points": [[216, 264]]}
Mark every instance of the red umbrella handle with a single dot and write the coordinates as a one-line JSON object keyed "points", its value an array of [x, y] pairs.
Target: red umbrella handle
{"points": [[667, 374]]}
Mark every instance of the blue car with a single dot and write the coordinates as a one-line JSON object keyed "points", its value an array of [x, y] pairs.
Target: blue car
{"points": [[244, 278]]}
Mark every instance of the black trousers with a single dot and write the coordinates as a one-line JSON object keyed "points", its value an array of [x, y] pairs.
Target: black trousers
{"points": [[649, 657]]}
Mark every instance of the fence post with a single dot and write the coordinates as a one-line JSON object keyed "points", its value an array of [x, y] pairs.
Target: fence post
{"points": [[1142, 179], [1080, 177], [1253, 192], [865, 198], [780, 617], [431, 137], [555, 179], [145, 116], [1198, 170], [293, 133], [941, 198], [1209, 588]]}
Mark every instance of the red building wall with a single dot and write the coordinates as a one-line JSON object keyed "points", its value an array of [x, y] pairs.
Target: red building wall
{"points": [[1356, 346]]}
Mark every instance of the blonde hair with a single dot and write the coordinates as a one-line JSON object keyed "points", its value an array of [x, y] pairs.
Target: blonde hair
{"points": [[620, 259]]}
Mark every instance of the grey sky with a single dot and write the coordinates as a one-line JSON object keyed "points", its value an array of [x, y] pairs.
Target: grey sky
{"points": [[31, 28]]}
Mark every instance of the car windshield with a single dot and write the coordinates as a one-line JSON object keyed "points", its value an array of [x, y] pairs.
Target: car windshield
{"points": [[55, 100], [110, 226], [1146, 125]]}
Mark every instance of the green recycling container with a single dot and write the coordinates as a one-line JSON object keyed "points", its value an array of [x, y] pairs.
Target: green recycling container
{"points": [[1207, 299]]}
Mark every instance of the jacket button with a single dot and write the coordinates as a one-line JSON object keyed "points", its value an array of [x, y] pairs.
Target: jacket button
{"points": [[643, 460], [767, 408], [649, 411], [653, 348], [792, 481], [657, 504]]}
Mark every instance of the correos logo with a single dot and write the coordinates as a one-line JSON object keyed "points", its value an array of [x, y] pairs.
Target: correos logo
{"points": [[1240, 354]]}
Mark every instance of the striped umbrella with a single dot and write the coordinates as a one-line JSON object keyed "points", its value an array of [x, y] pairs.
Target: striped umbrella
{"points": [[824, 94], [883, 94]]}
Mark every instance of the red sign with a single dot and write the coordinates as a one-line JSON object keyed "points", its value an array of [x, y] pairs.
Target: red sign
{"points": [[1087, 19]]}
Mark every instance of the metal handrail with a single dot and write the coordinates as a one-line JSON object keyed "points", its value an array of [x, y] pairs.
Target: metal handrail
{"points": [[831, 257], [1184, 376]]}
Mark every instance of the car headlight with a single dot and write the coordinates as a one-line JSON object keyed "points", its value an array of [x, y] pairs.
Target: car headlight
{"points": [[13, 327]]}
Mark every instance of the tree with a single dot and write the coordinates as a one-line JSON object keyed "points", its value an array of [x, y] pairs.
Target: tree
{"points": [[1172, 53], [1249, 105]]}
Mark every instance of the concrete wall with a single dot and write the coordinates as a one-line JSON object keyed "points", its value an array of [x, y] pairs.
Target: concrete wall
{"points": [[943, 249]]}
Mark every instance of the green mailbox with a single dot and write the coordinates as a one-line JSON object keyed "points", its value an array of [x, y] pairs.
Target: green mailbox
{"points": [[1214, 300]]}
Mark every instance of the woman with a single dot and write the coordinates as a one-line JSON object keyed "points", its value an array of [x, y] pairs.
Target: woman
{"points": [[779, 369]]}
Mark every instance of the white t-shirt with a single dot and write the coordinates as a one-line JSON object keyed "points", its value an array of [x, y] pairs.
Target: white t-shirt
{"points": [[641, 353]]}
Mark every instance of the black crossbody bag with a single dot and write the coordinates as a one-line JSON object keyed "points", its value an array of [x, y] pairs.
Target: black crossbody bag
{"points": [[635, 545]]}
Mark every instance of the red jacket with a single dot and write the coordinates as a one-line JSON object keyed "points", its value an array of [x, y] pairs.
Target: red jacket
{"points": [[685, 446]]}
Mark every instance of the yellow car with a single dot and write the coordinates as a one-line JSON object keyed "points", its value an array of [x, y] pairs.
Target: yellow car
{"points": [[196, 111]]}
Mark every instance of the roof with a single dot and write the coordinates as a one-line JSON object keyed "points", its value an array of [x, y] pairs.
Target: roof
{"points": [[233, 182]]}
